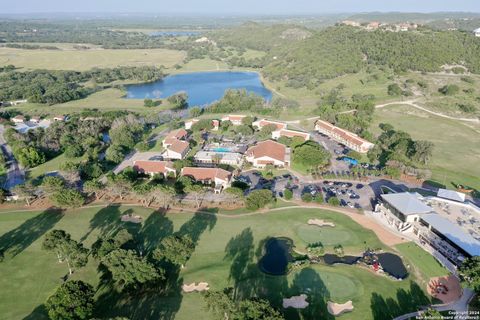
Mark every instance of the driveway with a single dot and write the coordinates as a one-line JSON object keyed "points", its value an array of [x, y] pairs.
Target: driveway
{"points": [[15, 174]]}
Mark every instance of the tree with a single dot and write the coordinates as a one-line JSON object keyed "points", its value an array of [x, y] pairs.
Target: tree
{"points": [[394, 90], [93, 186], [248, 120], [175, 249], [244, 130], [30, 157], [196, 191], [118, 185], [266, 131], [144, 193], [431, 314], [104, 246], [179, 100], [225, 125], [203, 124], [114, 154], [258, 199], [470, 273], [333, 201], [288, 194], [319, 199], [164, 193], [66, 249], [449, 89], [73, 300], [69, 198], [52, 184], [129, 270], [311, 154], [195, 112], [26, 191], [423, 151], [73, 151], [307, 197]]}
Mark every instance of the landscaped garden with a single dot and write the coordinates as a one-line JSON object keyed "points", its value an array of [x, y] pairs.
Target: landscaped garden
{"points": [[226, 254]]}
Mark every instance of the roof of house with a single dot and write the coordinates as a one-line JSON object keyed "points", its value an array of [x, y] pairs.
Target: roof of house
{"points": [[177, 134], [451, 195], [265, 122], [19, 117], [346, 135], [202, 174], [179, 146], [227, 156], [407, 203], [268, 148], [234, 117], [293, 133], [151, 166], [453, 233]]}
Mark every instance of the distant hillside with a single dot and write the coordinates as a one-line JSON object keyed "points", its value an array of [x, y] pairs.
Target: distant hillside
{"points": [[260, 37], [395, 17], [340, 50], [459, 24]]}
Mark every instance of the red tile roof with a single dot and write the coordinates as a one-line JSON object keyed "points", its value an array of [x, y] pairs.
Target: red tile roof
{"points": [[203, 174], [149, 166], [179, 146], [279, 125], [344, 134], [268, 148], [292, 133], [177, 134]]}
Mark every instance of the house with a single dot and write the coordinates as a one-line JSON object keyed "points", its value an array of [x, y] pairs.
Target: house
{"points": [[451, 195], [190, 123], [290, 134], [351, 23], [218, 157], [235, 119], [374, 25], [178, 149], [153, 167], [347, 138], [219, 177], [18, 119], [59, 118], [175, 135], [263, 122], [268, 153], [476, 32], [35, 120]]}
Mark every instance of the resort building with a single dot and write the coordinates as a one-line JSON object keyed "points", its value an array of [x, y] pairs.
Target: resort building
{"points": [[59, 118], [268, 153], [264, 122], [190, 123], [35, 120], [173, 136], [177, 150], [476, 32], [451, 195], [18, 119], [153, 167], [347, 138], [218, 177], [235, 119], [290, 134], [216, 157], [446, 228]]}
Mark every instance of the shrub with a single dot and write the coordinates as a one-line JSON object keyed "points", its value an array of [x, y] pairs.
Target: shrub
{"points": [[333, 201], [288, 194], [258, 199], [307, 197]]}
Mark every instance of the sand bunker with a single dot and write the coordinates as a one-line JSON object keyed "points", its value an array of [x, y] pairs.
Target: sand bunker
{"points": [[320, 223], [336, 309], [202, 286], [297, 302], [130, 218], [447, 289]]}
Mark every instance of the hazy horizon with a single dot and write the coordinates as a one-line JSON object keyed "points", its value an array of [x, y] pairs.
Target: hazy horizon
{"points": [[245, 7]]}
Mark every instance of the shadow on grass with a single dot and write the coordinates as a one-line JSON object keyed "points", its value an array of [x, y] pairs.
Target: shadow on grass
{"points": [[107, 220], [407, 301], [40, 312], [15, 241]]}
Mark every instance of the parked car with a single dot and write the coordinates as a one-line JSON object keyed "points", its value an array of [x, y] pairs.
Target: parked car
{"points": [[343, 203], [349, 204], [359, 186]]}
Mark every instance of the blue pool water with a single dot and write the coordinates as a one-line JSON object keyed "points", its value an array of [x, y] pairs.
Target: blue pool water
{"points": [[203, 88], [221, 149]]}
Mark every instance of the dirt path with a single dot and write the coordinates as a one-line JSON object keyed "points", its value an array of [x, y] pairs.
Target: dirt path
{"points": [[412, 103]]}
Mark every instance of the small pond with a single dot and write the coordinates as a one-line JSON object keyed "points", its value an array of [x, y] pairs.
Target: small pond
{"points": [[202, 88], [393, 265], [277, 255], [333, 259]]}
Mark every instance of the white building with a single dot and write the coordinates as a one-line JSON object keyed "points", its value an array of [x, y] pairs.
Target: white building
{"points": [[218, 177], [290, 134], [476, 32], [177, 150], [235, 119], [214, 157], [347, 138], [153, 167], [268, 153]]}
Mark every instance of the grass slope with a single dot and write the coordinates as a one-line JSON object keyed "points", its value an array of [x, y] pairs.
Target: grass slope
{"points": [[226, 255]]}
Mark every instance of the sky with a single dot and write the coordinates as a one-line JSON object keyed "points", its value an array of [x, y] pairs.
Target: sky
{"points": [[235, 6]]}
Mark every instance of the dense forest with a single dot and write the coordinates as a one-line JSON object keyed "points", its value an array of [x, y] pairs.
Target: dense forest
{"points": [[340, 50], [51, 87]]}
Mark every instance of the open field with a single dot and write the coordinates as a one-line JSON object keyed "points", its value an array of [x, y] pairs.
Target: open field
{"points": [[456, 154], [81, 60], [197, 65], [227, 251]]}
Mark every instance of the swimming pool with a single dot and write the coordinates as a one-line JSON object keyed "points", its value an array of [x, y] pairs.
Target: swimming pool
{"points": [[222, 149]]}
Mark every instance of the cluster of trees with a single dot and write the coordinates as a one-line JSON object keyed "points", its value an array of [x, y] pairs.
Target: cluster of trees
{"points": [[124, 134], [241, 100], [258, 199], [340, 50], [310, 155], [393, 145], [52, 87]]}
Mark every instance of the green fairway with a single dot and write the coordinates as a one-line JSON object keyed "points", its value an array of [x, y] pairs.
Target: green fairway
{"points": [[455, 155], [419, 258], [228, 248], [80, 60]]}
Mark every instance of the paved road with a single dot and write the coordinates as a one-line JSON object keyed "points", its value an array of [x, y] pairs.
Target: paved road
{"points": [[15, 174]]}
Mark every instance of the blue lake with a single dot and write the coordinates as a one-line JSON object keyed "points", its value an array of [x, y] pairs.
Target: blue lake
{"points": [[174, 33], [203, 88]]}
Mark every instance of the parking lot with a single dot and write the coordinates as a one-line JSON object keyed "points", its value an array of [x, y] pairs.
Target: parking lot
{"points": [[336, 150]]}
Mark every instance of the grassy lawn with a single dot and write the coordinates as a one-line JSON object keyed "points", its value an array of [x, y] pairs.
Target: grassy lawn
{"points": [[201, 65], [419, 258], [87, 59], [226, 255], [455, 156]]}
